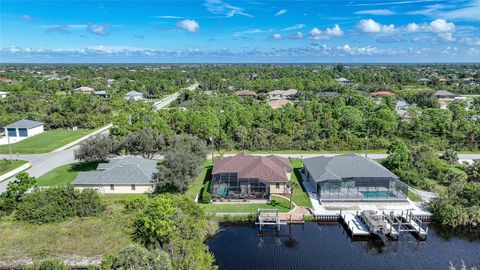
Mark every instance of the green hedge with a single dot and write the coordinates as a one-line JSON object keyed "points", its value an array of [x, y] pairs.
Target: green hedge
{"points": [[58, 204]]}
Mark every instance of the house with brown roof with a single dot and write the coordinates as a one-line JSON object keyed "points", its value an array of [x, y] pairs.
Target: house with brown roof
{"points": [[383, 93], [245, 176], [245, 93], [278, 103]]}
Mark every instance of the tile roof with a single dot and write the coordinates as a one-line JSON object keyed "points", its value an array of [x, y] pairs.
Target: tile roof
{"points": [[339, 167], [278, 103], [245, 93], [122, 170], [383, 93], [269, 168]]}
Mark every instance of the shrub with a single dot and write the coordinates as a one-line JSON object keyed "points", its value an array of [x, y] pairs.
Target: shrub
{"points": [[57, 204], [137, 257], [49, 264]]}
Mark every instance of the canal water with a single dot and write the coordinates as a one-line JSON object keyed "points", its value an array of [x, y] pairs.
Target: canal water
{"points": [[327, 246]]}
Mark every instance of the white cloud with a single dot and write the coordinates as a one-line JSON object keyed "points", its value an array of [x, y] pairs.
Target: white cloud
{"points": [[383, 12], [188, 25], [25, 17], [251, 31], [276, 36], [294, 27], [317, 34], [470, 41], [218, 7], [442, 26], [446, 36], [413, 27], [98, 29], [297, 35], [468, 10], [370, 26], [281, 12]]}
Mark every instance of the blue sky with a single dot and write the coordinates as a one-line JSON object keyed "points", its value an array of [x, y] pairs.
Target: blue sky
{"points": [[240, 31]]}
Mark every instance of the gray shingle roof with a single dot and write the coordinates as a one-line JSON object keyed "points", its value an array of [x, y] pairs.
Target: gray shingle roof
{"points": [[133, 93], [25, 123], [445, 93], [123, 171], [345, 166]]}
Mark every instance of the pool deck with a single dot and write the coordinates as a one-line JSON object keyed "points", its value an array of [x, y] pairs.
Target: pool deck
{"points": [[333, 208]]}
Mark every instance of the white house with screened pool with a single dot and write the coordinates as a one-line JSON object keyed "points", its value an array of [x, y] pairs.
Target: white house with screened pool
{"points": [[21, 130]]}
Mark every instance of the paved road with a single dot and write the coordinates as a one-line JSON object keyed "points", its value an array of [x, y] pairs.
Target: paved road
{"points": [[372, 156], [164, 103], [43, 163]]}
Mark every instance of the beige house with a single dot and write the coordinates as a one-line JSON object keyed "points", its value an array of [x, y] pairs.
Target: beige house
{"points": [[245, 176], [128, 174]]}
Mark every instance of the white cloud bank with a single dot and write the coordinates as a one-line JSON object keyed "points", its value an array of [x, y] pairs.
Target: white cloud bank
{"points": [[188, 25]]}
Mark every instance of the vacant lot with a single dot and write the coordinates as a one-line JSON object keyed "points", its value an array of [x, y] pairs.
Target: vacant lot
{"points": [[45, 142], [95, 236], [6, 166], [65, 174]]}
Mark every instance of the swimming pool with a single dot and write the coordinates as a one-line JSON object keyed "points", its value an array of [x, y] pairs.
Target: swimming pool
{"points": [[378, 194]]}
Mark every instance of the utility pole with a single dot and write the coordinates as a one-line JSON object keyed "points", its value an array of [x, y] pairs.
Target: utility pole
{"points": [[366, 138]]}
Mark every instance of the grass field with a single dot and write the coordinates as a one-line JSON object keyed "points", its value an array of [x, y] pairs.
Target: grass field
{"points": [[197, 185], [65, 174], [300, 196], [281, 204], [94, 236], [6, 166], [45, 142]]}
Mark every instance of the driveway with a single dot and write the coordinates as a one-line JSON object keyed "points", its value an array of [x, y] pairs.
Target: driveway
{"points": [[43, 163], [164, 103]]}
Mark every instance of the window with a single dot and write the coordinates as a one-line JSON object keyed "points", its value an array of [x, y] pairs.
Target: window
{"points": [[133, 187], [22, 132], [277, 185], [112, 187], [12, 132]]}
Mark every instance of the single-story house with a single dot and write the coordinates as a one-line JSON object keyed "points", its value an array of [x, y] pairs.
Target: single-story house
{"points": [[444, 94], [278, 103], [343, 81], [22, 129], [133, 95], [442, 79], [85, 90], [283, 94], [383, 93], [3, 94], [5, 80], [245, 176], [352, 177], [127, 174], [245, 93], [102, 93], [110, 82], [469, 81], [183, 105], [424, 81]]}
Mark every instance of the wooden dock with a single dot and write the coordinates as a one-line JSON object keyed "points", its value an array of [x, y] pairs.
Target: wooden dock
{"points": [[272, 217]]}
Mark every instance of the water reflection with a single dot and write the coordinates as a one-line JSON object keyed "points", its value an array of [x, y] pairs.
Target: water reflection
{"points": [[327, 246]]}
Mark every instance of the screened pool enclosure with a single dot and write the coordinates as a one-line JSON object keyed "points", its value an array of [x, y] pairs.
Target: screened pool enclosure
{"points": [[362, 189], [229, 186]]}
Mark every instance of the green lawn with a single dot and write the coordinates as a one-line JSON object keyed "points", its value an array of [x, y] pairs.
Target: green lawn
{"points": [[197, 185], [414, 197], [300, 196], [6, 166], [45, 142], [281, 204], [65, 174]]}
